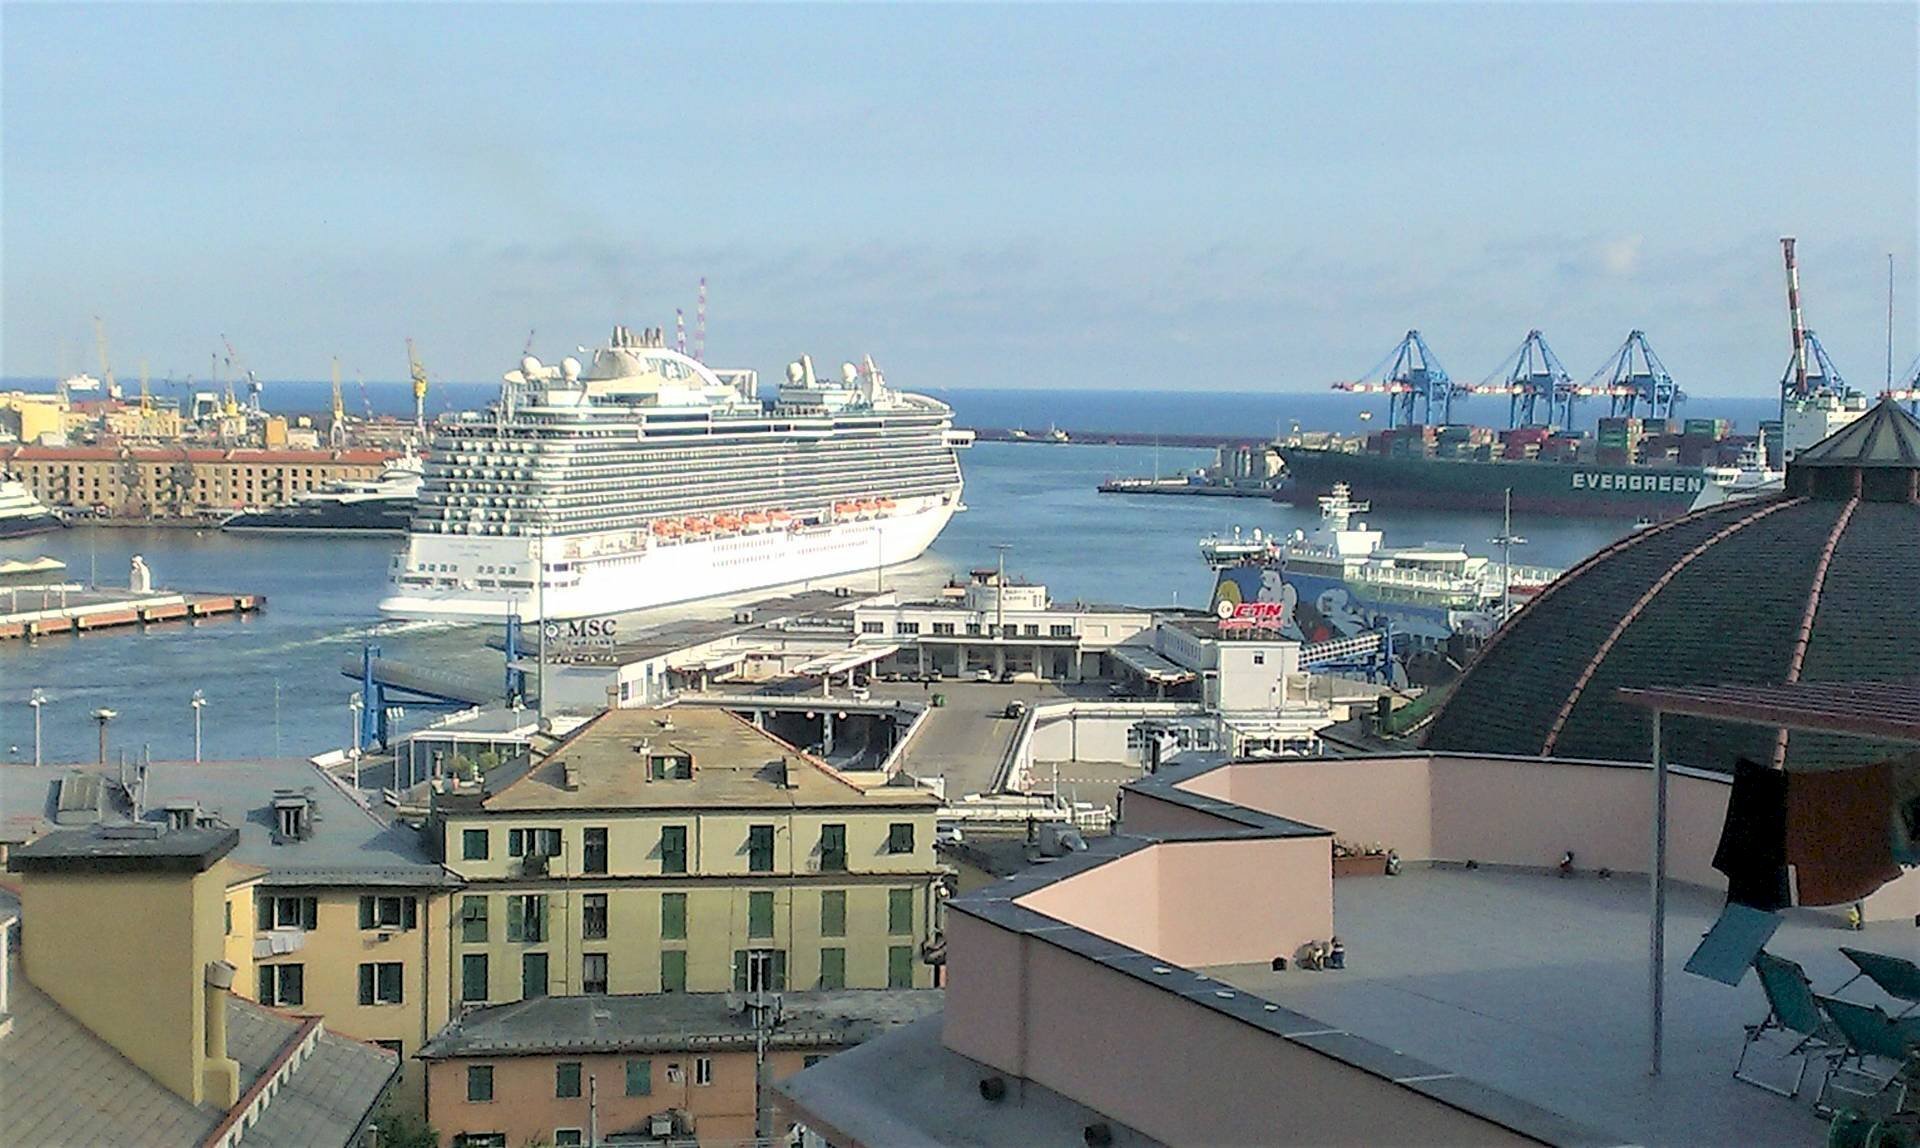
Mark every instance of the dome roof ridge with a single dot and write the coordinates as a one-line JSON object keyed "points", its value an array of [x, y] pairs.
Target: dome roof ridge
{"points": [[1885, 436]]}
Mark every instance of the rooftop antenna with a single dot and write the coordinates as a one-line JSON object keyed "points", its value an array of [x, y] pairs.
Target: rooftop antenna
{"points": [[1507, 540], [700, 323], [679, 330], [1889, 320]]}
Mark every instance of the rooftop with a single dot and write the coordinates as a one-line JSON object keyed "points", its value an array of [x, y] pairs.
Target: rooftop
{"points": [[61, 1084], [347, 845], [735, 764], [674, 1022]]}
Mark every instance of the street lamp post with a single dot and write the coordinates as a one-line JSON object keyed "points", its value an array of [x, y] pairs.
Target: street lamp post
{"points": [[198, 702], [36, 699], [354, 705], [103, 715]]}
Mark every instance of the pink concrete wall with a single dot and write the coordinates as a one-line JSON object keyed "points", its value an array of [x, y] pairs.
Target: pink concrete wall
{"points": [[1145, 813], [1120, 900], [1234, 902], [1186, 1075], [986, 986], [1360, 799]]}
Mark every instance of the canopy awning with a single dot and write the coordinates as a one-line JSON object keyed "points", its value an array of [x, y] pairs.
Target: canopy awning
{"points": [[1862, 709], [828, 665], [1152, 666]]}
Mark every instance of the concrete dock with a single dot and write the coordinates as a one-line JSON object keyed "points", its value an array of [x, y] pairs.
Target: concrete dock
{"points": [[39, 611]]}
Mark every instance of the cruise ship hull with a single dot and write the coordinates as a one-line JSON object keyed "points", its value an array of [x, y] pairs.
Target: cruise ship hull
{"points": [[1571, 489], [666, 574], [26, 525]]}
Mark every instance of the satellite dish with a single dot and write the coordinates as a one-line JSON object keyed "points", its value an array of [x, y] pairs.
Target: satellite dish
{"points": [[849, 374], [570, 368], [530, 367]]}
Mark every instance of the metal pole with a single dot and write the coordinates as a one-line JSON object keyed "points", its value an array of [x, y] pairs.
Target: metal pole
{"points": [[540, 610], [1657, 937], [593, 1112]]}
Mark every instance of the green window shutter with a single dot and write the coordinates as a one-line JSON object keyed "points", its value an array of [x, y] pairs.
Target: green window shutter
{"points": [[779, 970], [266, 984], [409, 912], [833, 968], [537, 926], [566, 1079], [262, 912], [900, 967], [516, 919], [833, 913], [391, 975], [760, 914], [673, 916], [739, 970], [366, 984], [673, 971], [310, 912], [293, 984], [639, 1078], [473, 977], [899, 911], [368, 917]]}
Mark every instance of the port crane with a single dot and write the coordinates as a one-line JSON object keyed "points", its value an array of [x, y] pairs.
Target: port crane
{"points": [[1634, 375], [1411, 378], [235, 367], [417, 371], [1908, 391], [1530, 377], [106, 367]]}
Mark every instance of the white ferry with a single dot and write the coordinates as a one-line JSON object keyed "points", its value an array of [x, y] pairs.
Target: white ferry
{"points": [[649, 478]]}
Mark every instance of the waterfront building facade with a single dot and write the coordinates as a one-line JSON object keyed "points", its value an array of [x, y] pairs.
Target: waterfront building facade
{"points": [[179, 481]]}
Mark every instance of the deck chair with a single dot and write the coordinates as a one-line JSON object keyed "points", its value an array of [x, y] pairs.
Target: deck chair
{"points": [[1792, 1011], [1898, 977], [1877, 1052]]}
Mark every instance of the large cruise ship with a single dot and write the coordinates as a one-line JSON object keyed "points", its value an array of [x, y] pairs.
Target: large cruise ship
{"points": [[649, 478], [21, 514]]}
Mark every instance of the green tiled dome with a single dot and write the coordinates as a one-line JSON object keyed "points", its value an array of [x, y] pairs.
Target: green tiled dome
{"points": [[1722, 595]]}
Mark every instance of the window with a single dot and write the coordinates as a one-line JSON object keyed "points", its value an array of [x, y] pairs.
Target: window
{"points": [[381, 983], [568, 1138], [527, 918], [593, 973], [907, 628], [283, 984], [833, 968], [479, 1083], [833, 848], [760, 914], [1060, 630], [670, 767], [537, 842], [833, 913], [593, 917], [673, 916], [873, 627], [473, 977], [673, 971], [640, 1078], [593, 854], [566, 1079], [760, 848], [759, 971], [473, 845], [473, 920], [229, 907], [533, 975], [388, 912], [1259, 659], [288, 913], [900, 837], [943, 628], [899, 911], [673, 849], [900, 967], [703, 1070]]}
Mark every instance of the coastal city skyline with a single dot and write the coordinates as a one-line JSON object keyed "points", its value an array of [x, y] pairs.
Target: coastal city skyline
{"points": [[1265, 197]]}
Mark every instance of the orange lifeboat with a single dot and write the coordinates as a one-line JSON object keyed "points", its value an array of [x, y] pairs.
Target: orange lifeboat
{"points": [[726, 521], [779, 516], [885, 504], [662, 528], [754, 518], [698, 525]]}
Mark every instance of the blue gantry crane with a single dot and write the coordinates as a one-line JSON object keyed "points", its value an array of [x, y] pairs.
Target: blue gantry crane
{"points": [[1634, 376], [1534, 381], [1411, 378]]}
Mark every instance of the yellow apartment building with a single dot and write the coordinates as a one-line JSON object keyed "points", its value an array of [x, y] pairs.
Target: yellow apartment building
{"points": [[180, 481], [685, 850]]}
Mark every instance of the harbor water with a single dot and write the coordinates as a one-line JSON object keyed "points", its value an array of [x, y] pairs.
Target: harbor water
{"points": [[273, 682]]}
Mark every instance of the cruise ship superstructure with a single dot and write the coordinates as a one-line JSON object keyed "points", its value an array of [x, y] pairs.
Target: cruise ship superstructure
{"points": [[649, 478]]}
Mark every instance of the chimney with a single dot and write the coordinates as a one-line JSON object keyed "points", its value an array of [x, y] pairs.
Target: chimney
{"points": [[220, 1076]]}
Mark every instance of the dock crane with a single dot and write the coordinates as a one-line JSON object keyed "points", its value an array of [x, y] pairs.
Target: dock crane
{"points": [[1409, 376], [254, 387], [1529, 376], [1634, 375], [106, 367], [337, 429], [146, 397], [417, 371]]}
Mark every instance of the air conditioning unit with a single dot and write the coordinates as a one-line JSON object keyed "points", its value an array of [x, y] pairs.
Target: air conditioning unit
{"points": [[660, 1124]]}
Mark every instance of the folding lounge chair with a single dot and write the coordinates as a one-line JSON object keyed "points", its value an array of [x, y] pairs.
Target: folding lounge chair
{"points": [[1871, 1037], [1792, 1011], [1897, 977]]}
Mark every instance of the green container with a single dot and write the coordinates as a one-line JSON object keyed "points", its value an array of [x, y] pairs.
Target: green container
{"points": [[939, 699]]}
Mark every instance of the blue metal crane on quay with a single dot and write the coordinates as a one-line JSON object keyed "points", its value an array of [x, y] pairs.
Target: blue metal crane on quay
{"points": [[1411, 378], [1632, 376], [1532, 377]]}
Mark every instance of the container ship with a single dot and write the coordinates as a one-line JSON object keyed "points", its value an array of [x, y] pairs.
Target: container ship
{"points": [[1638, 468], [648, 478]]}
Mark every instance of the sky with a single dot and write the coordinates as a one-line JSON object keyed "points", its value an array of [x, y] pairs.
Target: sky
{"points": [[1168, 197]]}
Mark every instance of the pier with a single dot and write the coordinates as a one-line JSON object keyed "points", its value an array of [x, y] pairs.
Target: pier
{"points": [[39, 611]]}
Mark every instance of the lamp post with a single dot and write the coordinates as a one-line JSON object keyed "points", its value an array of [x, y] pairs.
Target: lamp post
{"points": [[354, 705], [103, 715], [198, 702], [36, 699]]}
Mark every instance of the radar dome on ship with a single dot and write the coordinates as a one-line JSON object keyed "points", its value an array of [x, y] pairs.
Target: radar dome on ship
{"points": [[570, 369], [793, 372], [530, 366], [849, 373]]}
